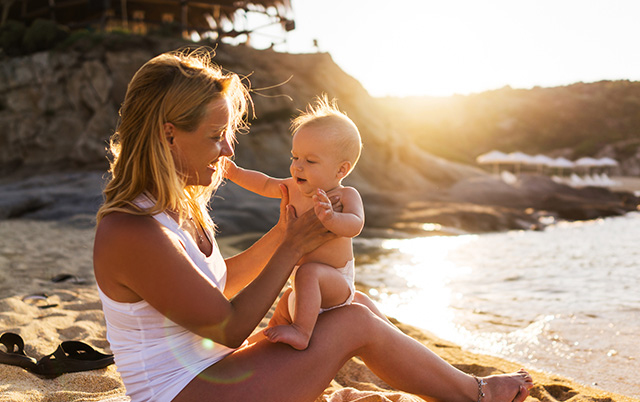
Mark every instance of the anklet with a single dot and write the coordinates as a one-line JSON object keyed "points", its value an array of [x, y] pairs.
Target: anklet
{"points": [[480, 382]]}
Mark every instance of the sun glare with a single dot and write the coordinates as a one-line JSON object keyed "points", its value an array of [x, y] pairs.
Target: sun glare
{"points": [[467, 46], [427, 271]]}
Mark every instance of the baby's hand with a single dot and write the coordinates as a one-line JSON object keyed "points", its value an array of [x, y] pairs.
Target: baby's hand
{"points": [[228, 167], [335, 199], [322, 206]]}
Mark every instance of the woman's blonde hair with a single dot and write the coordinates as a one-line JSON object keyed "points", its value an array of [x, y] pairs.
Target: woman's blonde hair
{"points": [[173, 87]]}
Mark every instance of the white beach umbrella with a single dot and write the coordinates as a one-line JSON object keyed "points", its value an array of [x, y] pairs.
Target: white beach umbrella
{"points": [[519, 158], [606, 161], [541, 161], [562, 163], [587, 161], [494, 158]]}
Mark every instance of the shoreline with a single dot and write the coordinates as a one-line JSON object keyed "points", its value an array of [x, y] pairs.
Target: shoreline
{"points": [[470, 290], [35, 251]]}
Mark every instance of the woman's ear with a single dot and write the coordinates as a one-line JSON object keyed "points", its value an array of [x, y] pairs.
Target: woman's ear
{"points": [[344, 169], [169, 129]]}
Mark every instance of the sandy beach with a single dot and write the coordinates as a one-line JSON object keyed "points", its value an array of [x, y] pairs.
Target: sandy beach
{"points": [[32, 252]]}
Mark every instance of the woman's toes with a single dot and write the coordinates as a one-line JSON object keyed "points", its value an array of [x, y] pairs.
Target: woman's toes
{"points": [[526, 375], [522, 395]]}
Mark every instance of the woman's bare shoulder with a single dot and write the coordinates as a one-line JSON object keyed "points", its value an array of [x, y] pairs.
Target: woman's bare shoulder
{"points": [[122, 219], [121, 227], [127, 248], [121, 236]]}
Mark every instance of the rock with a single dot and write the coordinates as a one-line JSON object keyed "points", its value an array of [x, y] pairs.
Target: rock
{"points": [[22, 100], [100, 80], [53, 98], [122, 66], [77, 101], [53, 196], [488, 190], [236, 210], [590, 203]]}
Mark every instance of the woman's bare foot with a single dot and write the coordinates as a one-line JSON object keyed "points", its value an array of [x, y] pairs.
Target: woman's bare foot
{"points": [[512, 387], [289, 334]]}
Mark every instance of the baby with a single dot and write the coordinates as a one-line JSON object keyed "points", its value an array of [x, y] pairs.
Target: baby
{"points": [[325, 148]]}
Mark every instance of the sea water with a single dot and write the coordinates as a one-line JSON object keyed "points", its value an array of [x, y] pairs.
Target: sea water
{"points": [[564, 300]]}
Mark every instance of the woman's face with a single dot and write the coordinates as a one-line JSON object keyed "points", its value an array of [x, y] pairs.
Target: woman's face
{"points": [[197, 154]]}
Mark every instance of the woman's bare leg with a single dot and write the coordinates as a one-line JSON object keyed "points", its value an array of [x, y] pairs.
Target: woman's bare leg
{"points": [[268, 371], [316, 285], [363, 299]]}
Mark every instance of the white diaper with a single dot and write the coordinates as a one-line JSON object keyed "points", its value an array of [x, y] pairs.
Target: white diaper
{"points": [[348, 272]]}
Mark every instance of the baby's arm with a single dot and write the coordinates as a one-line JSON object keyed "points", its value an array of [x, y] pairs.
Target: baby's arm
{"points": [[253, 180], [350, 221]]}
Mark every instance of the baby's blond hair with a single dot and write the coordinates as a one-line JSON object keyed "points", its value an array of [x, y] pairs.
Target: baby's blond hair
{"points": [[324, 114]]}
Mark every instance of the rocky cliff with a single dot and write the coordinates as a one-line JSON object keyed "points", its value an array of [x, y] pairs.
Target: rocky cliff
{"points": [[58, 109]]}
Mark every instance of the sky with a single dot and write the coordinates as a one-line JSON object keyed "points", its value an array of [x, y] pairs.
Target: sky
{"points": [[446, 47]]}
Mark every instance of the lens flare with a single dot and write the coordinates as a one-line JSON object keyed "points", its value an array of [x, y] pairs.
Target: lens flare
{"points": [[207, 344]]}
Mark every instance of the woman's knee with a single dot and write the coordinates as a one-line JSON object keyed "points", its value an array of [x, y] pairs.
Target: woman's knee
{"points": [[355, 318], [363, 299]]}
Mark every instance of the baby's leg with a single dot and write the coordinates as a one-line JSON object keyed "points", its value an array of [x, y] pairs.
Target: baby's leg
{"points": [[316, 286], [282, 315]]}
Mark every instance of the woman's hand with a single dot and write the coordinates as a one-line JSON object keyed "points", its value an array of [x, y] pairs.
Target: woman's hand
{"points": [[304, 233]]}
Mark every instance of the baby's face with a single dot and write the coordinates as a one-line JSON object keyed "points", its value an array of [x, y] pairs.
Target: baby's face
{"points": [[314, 161]]}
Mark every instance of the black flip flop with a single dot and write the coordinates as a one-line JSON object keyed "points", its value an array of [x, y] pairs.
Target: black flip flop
{"points": [[71, 357], [15, 355], [60, 278], [35, 299]]}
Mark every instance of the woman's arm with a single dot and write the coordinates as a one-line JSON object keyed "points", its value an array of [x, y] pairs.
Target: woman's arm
{"points": [[244, 267], [252, 180], [138, 257], [346, 223]]}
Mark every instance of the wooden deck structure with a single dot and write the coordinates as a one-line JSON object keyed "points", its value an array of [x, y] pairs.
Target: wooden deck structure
{"points": [[201, 16]]}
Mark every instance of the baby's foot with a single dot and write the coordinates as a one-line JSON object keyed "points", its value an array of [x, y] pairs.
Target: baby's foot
{"points": [[288, 334], [512, 387]]}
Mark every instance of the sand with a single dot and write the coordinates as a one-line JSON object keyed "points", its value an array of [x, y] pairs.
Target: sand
{"points": [[32, 252], [626, 183]]}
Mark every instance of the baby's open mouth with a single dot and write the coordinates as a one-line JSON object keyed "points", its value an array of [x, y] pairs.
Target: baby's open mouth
{"points": [[300, 181]]}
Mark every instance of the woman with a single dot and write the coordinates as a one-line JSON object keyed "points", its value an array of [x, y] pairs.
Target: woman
{"points": [[178, 315]]}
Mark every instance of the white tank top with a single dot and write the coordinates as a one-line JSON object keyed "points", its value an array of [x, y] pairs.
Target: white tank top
{"points": [[156, 357]]}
